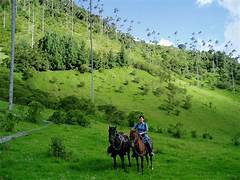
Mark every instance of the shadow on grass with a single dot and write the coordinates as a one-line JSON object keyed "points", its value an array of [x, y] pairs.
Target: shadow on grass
{"points": [[93, 165]]}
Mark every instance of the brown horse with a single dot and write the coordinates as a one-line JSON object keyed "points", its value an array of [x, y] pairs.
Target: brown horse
{"points": [[139, 149], [119, 145]]}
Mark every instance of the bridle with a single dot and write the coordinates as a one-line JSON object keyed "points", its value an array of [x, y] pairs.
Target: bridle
{"points": [[136, 137], [120, 137]]}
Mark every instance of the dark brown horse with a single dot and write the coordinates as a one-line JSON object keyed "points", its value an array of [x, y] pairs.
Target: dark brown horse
{"points": [[119, 145], [139, 149]]}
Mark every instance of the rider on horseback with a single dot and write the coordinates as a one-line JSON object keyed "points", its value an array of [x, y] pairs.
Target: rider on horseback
{"points": [[142, 129]]}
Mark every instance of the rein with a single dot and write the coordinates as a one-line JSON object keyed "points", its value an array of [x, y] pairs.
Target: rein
{"points": [[136, 144], [120, 145]]}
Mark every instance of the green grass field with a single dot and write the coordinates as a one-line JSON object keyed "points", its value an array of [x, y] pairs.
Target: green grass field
{"points": [[175, 159], [214, 111], [186, 158]]}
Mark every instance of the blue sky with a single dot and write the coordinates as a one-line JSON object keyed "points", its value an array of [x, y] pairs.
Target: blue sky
{"points": [[167, 16]]}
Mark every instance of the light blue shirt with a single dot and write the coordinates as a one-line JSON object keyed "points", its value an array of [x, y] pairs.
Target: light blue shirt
{"points": [[142, 128]]}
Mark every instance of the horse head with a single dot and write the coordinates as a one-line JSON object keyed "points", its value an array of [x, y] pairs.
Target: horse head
{"points": [[112, 131], [133, 134]]}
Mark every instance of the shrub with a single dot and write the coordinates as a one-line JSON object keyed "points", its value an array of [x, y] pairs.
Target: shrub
{"points": [[133, 73], [28, 73], [187, 104], [120, 89], [136, 80], [53, 80], [84, 68], [177, 130], [145, 89], [74, 103], [9, 121], [157, 92], [236, 139], [34, 111], [58, 117], [194, 134], [132, 117], [117, 118], [126, 83], [207, 135], [76, 117], [108, 108], [113, 115], [81, 84], [57, 148]]}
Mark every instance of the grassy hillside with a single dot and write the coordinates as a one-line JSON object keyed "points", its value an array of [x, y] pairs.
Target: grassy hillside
{"points": [[212, 111], [184, 159], [222, 119]]}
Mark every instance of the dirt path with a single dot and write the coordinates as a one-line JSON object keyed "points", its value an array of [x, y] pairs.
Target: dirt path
{"points": [[22, 134]]}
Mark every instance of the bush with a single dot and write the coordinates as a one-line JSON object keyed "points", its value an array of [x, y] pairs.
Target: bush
{"points": [[58, 117], [120, 89], [126, 83], [133, 117], [136, 80], [9, 121], [207, 135], [187, 104], [28, 73], [145, 89], [133, 73], [194, 134], [236, 139], [177, 130], [57, 148], [73, 103], [76, 117], [34, 111], [82, 84], [158, 92], [108, 108], [117, 118], [84, 68], [223, 85]]}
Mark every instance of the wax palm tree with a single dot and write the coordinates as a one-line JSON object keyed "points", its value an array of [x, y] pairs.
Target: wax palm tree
{"points": [[11, 75], [43, 15], [33, 22], [232, 69], [91, 50], [4, 4]]}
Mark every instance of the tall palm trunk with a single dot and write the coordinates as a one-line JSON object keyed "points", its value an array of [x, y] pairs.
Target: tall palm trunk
{"points": [[233, 79], [33, 26], [72, 17], [4, 19], [91, 50], [52, 7], [43, 14], [11, 75], [29, 19]]}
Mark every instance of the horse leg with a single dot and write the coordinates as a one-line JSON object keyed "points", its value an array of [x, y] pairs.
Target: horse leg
{"points": [[142, 163], [147, 159], [151, 162], [129, 162], [137, 163], [122, 160], [114, 162]]}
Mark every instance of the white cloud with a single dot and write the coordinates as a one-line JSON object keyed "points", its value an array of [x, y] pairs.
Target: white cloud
{"points": [[232, 33], [204, 2], [165, 42], [233, 6], [232, 28]]}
